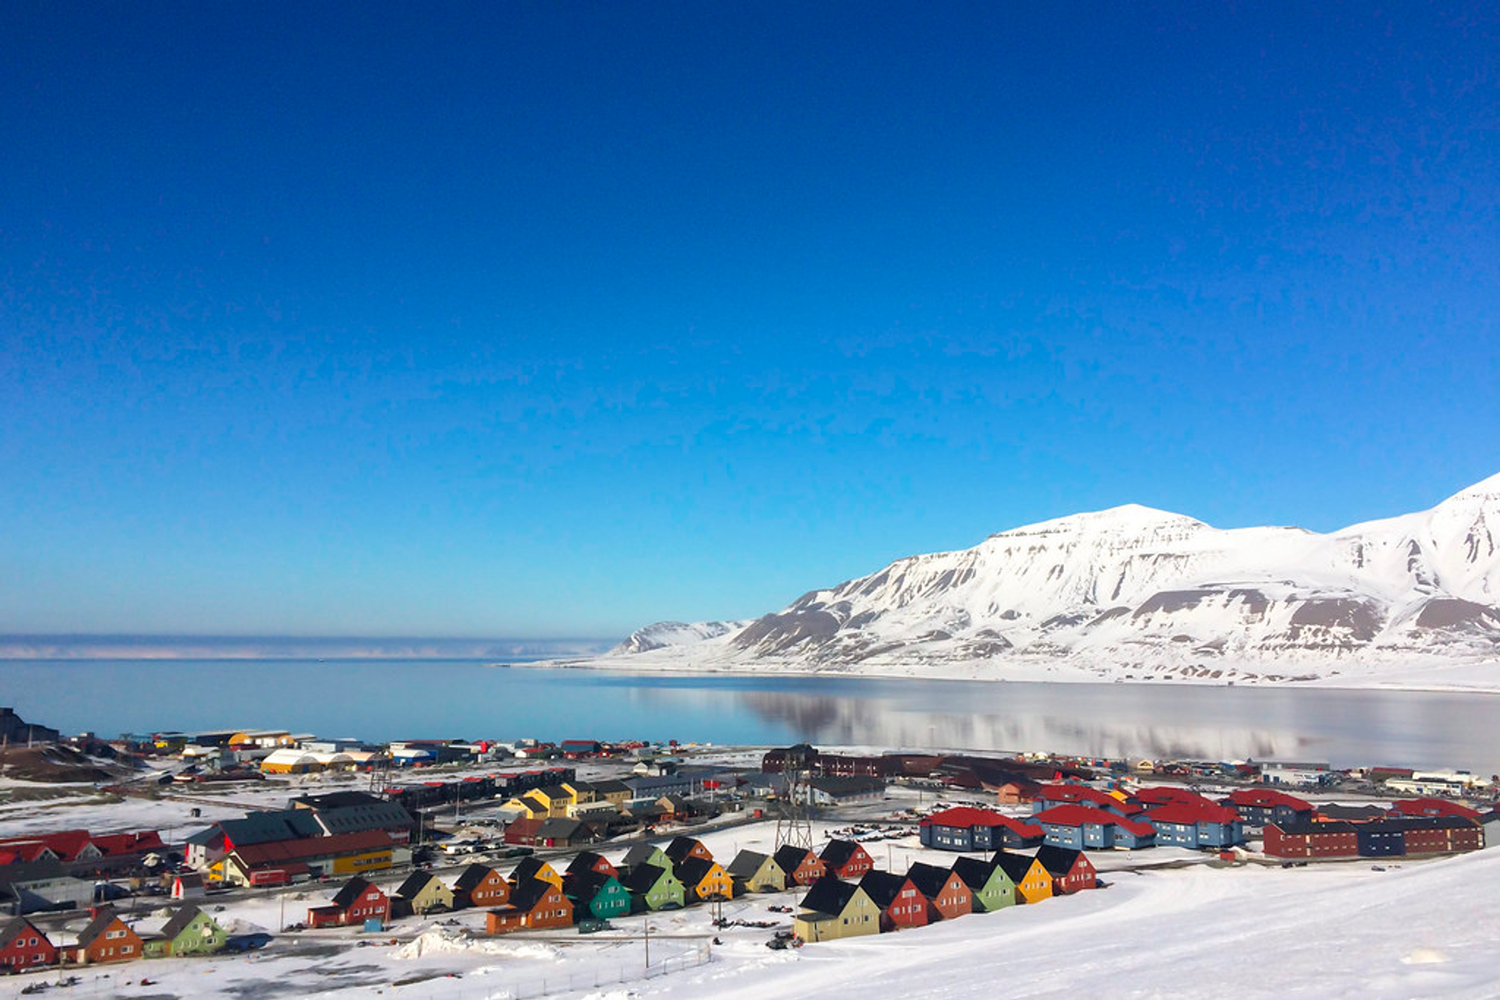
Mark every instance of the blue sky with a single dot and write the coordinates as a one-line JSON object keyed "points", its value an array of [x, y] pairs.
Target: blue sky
{"points": [[538, 319]]}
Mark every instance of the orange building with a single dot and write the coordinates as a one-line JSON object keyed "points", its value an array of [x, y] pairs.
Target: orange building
{"points": [[534, 905]]}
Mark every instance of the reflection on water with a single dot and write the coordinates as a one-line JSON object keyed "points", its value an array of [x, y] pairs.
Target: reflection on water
{"points": [[412, 699]]}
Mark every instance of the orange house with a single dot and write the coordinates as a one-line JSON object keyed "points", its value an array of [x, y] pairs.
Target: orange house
{"points": [[589, 861], [480, 886], [846, 859], [802, 866], [687, 847], [531, 868], [947, 895], [107, 939], [534, 905]]}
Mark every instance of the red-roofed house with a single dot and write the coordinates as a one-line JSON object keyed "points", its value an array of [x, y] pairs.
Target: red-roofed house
{"points": [[1054, 795], [1262, 806], [1079, 827], [1196, 825], [968, 829], [1432, 807]]}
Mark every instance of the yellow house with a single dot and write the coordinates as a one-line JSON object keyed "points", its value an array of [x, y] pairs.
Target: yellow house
{"points": [[557, 798], [423, 892], [579, 791], [704, 878], [1033, 881], [530, 805], [834, 909], [535, 868]]}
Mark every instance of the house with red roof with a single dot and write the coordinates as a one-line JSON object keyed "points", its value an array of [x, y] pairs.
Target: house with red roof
{"points": [[1260, 807], [1200, 825], [1432, 807], [1068, 794], [1079, 827], [968, 829]]}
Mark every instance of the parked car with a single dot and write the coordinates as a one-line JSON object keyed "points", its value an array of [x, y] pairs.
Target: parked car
{"points": [[247, 942]]}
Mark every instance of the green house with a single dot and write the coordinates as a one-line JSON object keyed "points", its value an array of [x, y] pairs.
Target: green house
{"points": [[654, 888], [189, 932], [646, 854], [600, 893], [992, 888]]}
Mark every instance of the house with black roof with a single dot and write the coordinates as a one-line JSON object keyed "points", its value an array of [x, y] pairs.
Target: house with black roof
{"points": [[834, 909]]}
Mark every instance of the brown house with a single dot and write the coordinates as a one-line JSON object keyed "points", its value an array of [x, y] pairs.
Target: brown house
{"points": [[480, 886], [802, 866], [589, 861], [534, 905], [947, 895], [106, 939]]}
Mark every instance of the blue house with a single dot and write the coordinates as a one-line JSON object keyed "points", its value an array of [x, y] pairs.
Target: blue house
{"points": [[968, 829], [1079, 827], [1196, 827], [1261, 806], [1381, 839]]}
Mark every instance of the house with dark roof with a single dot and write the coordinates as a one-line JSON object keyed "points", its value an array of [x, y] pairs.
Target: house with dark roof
{"points": [[1260, 807], [480, 886], [206, 848], [802, 866], [947, 894], [1071, 870], [1031, 878], [900, 902], [1306, 839], [827, 791], [34, 886], [989, 885], [1083, 826], [189, 931], [833, 909], [534, 868], [106, 938], [846, 859], [703, 878], [598, 894], [590, 861], [683, 847], [646, 854], [280, 861], [421, 892], [1069, 794], [355, 903], [534, 905], [23, 946], [752, 871], [653, 887], [965, 828]]}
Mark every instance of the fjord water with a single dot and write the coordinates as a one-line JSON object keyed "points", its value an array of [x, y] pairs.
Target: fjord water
{"points": [[385, 699]]}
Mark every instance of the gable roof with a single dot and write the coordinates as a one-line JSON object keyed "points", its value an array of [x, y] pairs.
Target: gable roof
{"points": [[929, 879], [838, 852], [881, 887], [311, 847], [747, 863], [1266, 798], [975, 872], [691, 870], [640, 854], [588, 883], [529, 892], [1058, 860], [586, 860], [529, 868], [1084, 795], [105, 916], [351, 891], [842, 787], [180, 921], [271, 826], [1088, 815], [829, 895], [681, 847], [472, 876], [1191, 813], [790, 858], [414, 884], [15, 926], [1014, 865]]}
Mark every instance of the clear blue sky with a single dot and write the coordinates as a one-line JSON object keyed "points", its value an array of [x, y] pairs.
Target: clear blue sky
{"points": [[549, 319]]}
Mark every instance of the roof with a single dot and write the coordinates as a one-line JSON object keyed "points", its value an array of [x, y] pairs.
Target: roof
{"points": [[375, 815], [838, 852], [747, 863], [414, 884], [1083, 815], [1303, 828], [17, 925], [790, 858], [1014, 865], [1358, 814], [1084, 795], [881, 887], [691, 870], [472, 876], [529, 868], [840, 787], [336, 800], [528, 892], [1058, 860], [180, 920], [829, 895], [1433, 807], [930, 879], [1191, 813], [681, 847], [967, 818], [105, 916], [257, 855], [640, 854], [975, 872], [560, 828], [269, 826], [1160, 795], [641, 877], [351, 891], [1266, 798], [588, 884], [586, 860]]}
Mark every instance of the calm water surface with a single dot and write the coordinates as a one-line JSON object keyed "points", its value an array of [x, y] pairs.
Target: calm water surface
{"points": [[384, 700]]}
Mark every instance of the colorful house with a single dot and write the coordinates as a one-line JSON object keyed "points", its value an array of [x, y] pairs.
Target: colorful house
{"points": [[990, 887], [535, 868], [846, 859], [590, 861], [646, 854], [703, 879], [947, 895], [107, 939], [189, 931], [480, 886], [24, 947], [968, 829], [1196, 825], [752, 871], [1071, 870], [687, 847], [357, 902], [833, 909], [1084, 826], [653, 888], [599, 894], [1031, 878], [900, 902], [422, 892], [802, 866], [534, 905], [342, 854], [1262, 806], [1312, 840]]}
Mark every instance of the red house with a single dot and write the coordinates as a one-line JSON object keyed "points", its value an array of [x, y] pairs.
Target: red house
{"points": [[947, 895], [1334, 839], [1071, 870], [24, 947], [589, 861], [846, 859], [355, 903], [901, 903], [802, 866], [1432, 807]]}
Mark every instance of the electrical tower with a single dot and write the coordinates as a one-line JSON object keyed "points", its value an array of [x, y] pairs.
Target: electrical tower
{"points": [[380, 775], [794, 819]]}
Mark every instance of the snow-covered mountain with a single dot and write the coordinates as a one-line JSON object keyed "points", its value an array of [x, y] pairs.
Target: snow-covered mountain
{"points": [[1133, 591]]}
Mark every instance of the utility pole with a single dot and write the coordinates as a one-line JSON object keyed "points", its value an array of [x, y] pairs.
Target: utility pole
{"points": [[648, 943]]}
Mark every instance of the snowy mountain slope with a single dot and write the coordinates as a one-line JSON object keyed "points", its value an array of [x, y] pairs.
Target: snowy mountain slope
{"points": [[663, 635], [1132, 588]]}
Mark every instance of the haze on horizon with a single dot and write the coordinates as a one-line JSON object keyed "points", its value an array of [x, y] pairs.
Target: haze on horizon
{"points": [[544, 320]]}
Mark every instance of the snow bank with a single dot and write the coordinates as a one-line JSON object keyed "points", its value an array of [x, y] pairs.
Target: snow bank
{"points": [[456, 941]]}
